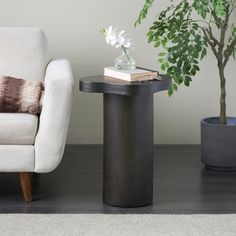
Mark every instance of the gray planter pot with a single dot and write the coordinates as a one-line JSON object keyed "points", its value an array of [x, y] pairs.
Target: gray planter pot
{"points": [[218, 144]]}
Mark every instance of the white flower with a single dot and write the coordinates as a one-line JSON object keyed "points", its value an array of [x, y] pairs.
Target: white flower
{"points": [[111, 37], [120, 39], [127, 43], [117, 39]]}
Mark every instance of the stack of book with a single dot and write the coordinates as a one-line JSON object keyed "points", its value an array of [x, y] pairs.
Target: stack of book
{"points": [[138, 74]]}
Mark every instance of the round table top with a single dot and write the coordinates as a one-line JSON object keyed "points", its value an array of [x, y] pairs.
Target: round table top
{"points": [[109, 85]]}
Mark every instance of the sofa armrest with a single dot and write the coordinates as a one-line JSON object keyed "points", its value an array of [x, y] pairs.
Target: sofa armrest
{"points": [[55, 116]]}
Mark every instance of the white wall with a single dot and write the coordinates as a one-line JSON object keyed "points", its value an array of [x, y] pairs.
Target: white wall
{"points": [[72, 28]]}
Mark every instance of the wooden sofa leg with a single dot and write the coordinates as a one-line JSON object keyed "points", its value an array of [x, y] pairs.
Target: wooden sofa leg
{"points": [[25, 181]]}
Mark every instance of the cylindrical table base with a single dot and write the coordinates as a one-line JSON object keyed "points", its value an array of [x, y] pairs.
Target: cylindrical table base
{"points": [[128, 150]]}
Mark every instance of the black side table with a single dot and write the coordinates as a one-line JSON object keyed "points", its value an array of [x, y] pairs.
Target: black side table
{"points": [[128, 138]]}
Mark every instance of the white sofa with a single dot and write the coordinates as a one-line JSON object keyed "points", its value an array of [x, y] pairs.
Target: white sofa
{"points": [[30, 143]]}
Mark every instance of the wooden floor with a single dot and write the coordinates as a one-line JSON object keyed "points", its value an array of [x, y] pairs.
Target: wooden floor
{"points": [[181, 185]]}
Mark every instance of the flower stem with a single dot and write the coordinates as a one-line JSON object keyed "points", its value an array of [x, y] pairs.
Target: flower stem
{"points": [[124, 49]]}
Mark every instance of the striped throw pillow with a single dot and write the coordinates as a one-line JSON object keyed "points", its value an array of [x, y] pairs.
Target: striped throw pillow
{"points": [[19, 95]]}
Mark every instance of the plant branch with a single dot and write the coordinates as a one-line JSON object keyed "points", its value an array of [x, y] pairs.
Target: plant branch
{"points": [[209, 35], [195, 21], [216, 42], [211, 42], [223, 30], [229, 50], [216, 19], [233, 4]]}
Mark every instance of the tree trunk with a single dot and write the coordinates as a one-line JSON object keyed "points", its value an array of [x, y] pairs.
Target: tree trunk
{"points": [[223, 119]]}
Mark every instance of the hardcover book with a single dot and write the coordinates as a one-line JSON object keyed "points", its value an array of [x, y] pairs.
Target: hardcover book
{"points": [[138, 74]]}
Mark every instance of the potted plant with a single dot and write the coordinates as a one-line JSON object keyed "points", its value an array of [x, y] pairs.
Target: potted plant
{"points": [[184, 31]]}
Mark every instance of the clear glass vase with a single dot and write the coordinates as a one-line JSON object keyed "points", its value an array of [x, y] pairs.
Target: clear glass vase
{"points": [[125, 61]]}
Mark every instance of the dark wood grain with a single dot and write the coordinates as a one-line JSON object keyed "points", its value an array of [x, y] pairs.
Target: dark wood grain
{"points": [[108, 85], [128, 137], [128, 150]]}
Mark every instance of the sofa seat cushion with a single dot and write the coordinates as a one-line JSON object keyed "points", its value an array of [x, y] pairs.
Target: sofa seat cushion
{"points": [[18, 128]]}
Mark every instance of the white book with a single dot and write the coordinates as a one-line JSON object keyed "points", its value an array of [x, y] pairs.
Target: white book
{"points": [[130, 75]]}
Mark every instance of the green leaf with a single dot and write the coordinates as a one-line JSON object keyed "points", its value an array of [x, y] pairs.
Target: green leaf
{"points": [[170, 91], [175, 87], [162, 54], [144, 12], [193, 72], [103, 30], [179, 35], [150, 38], [219, 7], [157, 44], [196, 68], [163, 68], [186, 83], [203, 53]]}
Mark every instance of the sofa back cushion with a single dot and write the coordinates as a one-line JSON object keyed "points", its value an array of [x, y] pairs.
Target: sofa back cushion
{"points": [[23, 53]]}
